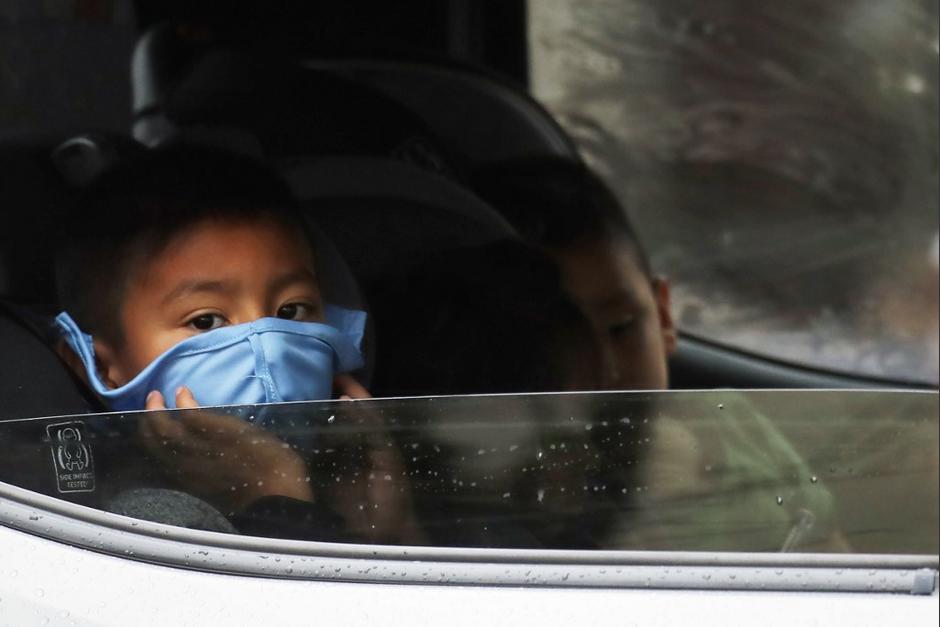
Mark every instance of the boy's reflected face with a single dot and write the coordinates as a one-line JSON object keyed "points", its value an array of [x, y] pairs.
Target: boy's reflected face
{"points": [[213, 273], [630, 314]]}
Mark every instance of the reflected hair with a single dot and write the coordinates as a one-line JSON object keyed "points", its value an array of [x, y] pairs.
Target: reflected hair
{"points": [[558, 203]]}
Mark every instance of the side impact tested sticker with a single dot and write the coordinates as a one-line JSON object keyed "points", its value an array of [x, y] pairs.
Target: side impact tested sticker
{"points": [[71, 456]]}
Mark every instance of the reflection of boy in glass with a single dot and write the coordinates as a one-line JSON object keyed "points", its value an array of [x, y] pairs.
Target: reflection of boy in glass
{"points": [[568, 212], [700, 475]]}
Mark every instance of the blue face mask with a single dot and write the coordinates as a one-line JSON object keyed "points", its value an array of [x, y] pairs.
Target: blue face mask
{"points": [[266, 361]]}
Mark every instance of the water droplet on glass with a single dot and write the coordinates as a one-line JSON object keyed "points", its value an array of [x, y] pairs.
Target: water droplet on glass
{"points": [[721, 405], [779, 500], [813, 479], [331, 419]]}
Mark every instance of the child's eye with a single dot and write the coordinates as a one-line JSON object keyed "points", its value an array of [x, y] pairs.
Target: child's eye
{"points": [[622, 327], [297, 311], [206, 322]]}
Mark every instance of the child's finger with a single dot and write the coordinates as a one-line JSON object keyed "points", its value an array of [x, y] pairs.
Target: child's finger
{"points": [[348, 386], [217, 427], [154, 401], [162, 427], [185, 398]]}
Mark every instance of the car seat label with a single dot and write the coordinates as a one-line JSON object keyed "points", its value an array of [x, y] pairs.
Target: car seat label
{"points": [[71, 456]]}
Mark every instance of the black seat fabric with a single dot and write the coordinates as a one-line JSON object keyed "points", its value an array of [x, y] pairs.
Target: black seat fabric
{"points": [[38, 175], [272, 107], [483, 119], [33, 196], [384, 214], [35, 381], [371, 173]]}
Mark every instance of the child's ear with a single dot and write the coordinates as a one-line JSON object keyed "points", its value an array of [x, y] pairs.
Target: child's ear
{"points": [[106, 362], [72, 360], [664, 310]]}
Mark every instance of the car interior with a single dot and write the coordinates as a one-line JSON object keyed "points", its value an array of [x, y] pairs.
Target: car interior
{"points": [[371, 115], [378, 117]]}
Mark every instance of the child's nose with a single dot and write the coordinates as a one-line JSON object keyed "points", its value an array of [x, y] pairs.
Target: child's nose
{"points": [[252, 312]]}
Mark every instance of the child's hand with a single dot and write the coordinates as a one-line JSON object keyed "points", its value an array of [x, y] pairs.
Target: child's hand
{"points": [[222, 458], [348, 388], [378, 508]]}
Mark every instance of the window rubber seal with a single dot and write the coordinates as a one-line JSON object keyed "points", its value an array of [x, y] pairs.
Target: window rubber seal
{"points": [[175, 547]]}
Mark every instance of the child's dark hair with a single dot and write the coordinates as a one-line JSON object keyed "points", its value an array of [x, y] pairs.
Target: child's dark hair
{"points": [[130, 212], [557, 203]]}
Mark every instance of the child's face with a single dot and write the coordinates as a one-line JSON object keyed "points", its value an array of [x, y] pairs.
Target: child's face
{"points": [[213, 273], [630, 314]]}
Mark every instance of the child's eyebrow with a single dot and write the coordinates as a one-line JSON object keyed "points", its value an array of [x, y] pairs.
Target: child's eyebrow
{"points": [[296, 276], [199, 286]]}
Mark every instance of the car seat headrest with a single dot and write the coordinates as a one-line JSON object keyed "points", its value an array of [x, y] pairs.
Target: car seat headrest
{"points": [[80, 159], [269, 106], [383, 214], [479, 116]]}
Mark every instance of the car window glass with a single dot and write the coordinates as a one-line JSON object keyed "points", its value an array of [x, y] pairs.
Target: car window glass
{"points": [[780, 161], [727, 471]]}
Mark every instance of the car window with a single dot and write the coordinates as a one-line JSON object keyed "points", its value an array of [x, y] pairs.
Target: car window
{"points": [[680, 471], [780, 161]]}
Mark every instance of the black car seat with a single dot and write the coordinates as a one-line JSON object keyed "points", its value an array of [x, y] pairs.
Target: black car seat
{"points": [[33, 196], [372, 174], [34, 381], [479, 115]]}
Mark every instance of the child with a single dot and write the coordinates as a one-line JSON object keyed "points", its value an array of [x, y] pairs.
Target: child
{"points": [[702, 476], [186, 278], [565, 210]]}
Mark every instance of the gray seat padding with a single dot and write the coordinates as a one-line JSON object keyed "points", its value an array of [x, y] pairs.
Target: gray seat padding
{"points": [[483, 119], [33, 380], [384, 214]]}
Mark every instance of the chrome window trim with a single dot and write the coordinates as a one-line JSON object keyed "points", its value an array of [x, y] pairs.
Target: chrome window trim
{"points": [[127, 538]]}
